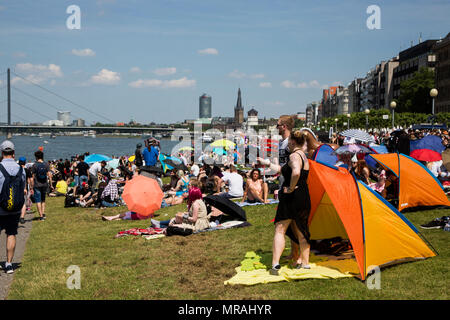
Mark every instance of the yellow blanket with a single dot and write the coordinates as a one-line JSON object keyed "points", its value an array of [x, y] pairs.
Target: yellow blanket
{"points": [[329, 269]]}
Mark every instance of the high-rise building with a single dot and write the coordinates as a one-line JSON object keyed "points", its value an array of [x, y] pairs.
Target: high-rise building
{"points": [[64, 116], [239, 111], [205, 106], [442, 51]]}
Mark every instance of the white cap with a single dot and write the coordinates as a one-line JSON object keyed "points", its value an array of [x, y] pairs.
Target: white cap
{"points": [[7, 146]]}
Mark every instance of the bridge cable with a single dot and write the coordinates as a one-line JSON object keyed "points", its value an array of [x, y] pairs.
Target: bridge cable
{"points": [[30, 109], [40, 100], [61, 97]]}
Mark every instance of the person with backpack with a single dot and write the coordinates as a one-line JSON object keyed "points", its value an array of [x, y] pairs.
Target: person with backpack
{"points": [[27, 206], [12, 199], [40, 182]]}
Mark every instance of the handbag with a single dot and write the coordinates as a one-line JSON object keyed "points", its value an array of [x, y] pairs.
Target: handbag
{"points": [[177, 231]]}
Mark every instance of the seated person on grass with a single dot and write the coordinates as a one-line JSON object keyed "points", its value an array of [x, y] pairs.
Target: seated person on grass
{"points": [[61, 188], [256, 190], [235, 184], [180, 192], [197, 216], [84, 194], [95, 200], [110, 196]]}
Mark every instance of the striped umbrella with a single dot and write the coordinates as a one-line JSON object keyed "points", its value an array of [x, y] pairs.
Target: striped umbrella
{"points": [[358, 135]]}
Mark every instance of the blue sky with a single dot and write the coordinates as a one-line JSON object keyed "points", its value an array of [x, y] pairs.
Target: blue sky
{"points": [[151, 60]]}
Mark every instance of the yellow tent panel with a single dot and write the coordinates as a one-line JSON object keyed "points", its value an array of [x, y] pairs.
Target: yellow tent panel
{"points": [[388, 238]]}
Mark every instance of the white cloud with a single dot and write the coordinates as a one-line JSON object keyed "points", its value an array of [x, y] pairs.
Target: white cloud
{"points": [[288, 84], [36, 73], [19, 55], [143, 83], [239, 75], [165, 71], [106, 76], [83, 52], [256, 76], [314, 84], [30, 78], [274, 103], [156, 83], [179, 83], [135, 70], [212, 51], [265, 85], [301, 85], [236, 74]]}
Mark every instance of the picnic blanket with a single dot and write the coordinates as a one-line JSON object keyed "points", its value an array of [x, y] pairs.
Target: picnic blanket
{"points": [[321, 268], [155, 233], [140, 232], [244, 204]]}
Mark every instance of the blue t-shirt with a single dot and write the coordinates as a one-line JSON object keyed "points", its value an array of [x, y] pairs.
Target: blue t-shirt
{"points": [[150, 157]]}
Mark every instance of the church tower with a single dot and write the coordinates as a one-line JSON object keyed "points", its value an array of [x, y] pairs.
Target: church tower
{"points": [[238, 111]]}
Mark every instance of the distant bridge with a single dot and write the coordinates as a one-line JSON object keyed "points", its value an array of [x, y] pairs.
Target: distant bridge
{"points": [[36, 129]]}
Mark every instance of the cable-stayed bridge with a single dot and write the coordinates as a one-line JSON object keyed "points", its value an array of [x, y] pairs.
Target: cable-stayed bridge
{"points": [[24, 113]]}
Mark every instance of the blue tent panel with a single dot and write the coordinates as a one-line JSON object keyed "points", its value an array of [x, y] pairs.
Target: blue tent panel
{"points": [[324, 154]]}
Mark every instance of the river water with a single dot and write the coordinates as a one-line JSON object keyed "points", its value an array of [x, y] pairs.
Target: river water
{"points": [[63, 147]]}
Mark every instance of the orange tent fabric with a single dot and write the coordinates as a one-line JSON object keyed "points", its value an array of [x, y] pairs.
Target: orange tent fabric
{"points": [[334, 193], [418, 186], [342, 206]]}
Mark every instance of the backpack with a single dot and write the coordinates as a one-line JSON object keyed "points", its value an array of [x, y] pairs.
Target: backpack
{"points": [[69, 201], [12, 196], [41, 172], [178, 231]]}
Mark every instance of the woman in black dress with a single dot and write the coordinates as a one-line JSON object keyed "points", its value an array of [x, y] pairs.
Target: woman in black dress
{"points": [[295, 204]]}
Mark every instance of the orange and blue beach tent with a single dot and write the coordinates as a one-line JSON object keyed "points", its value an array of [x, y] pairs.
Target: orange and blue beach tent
{"points": [[342, 206], [418, 187]]}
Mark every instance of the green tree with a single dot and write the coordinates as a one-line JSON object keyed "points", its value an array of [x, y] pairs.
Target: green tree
{"points": [[415, 92]]}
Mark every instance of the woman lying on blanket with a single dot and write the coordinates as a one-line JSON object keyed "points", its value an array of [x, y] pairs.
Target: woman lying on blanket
{"points": [[196, 218], [256, 189]]}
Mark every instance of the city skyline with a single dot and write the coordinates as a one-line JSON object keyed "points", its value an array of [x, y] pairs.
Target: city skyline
{"points": [[133, 60]]}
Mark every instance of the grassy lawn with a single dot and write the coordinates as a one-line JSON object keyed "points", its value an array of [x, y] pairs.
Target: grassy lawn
{"points": [[193, 267]]}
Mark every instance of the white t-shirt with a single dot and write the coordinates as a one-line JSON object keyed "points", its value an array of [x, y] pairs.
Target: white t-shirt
{"points": [[95, 168], [235, 183]]}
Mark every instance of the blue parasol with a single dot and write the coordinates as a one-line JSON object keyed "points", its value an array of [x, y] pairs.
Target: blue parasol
{"points": [[96, 158]]}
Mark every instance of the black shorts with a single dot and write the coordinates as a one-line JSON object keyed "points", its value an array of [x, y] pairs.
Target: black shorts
{"points": [[10, 223]]}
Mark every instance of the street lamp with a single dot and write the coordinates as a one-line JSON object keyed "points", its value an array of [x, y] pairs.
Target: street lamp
{"points": [[348, 123], [393, 105], [367, 111], [336, 121], [433, 94], [326, 128]]}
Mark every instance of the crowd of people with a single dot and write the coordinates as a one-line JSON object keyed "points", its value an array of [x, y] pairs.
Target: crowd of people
{"points": [[101, 185]]}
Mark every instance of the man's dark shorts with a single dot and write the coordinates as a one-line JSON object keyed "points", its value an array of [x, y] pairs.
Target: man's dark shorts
{"points": [[39, 194], [10, 223]]}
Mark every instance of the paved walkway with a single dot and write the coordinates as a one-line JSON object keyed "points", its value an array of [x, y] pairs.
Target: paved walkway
{"points": [[21, 239]]}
